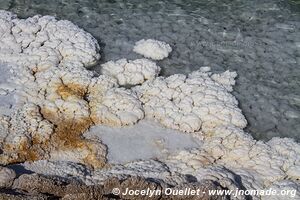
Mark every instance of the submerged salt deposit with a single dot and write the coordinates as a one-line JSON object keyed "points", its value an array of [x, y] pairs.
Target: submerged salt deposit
{"points": [[58, 100]]}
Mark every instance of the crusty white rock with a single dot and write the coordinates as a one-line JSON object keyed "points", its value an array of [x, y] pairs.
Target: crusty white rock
{"points": [[154, 49], [131, 72], [238, 150], [191, 103]]}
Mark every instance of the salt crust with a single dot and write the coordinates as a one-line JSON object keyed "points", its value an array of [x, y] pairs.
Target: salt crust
{"points": [[55, 92], [192, 103]]}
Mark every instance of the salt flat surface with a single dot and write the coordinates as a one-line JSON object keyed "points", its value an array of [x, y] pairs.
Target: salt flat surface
{"points": [[145, 140]]}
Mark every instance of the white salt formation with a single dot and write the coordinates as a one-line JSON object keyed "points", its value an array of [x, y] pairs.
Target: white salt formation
{"points": [[58, 100], [117, 107], [55, 93], [192, 103], [131, 72], [154, 49]]}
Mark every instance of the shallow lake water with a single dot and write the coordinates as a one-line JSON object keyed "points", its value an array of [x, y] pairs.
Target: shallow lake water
{"points": [[259, 39]]}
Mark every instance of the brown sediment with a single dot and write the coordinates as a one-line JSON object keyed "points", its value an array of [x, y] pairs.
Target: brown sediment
{"points": [[68, 131], [67, 90], [24, 152], [28, 152], [67, 134]]}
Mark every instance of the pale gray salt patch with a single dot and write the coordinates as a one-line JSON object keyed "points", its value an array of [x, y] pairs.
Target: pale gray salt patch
{"points": [[7, 89], [143, 141]]}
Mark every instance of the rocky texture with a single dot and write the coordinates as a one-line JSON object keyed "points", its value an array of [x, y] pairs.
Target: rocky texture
{"points": [[7, 177], [5, 196], [36, 185]]}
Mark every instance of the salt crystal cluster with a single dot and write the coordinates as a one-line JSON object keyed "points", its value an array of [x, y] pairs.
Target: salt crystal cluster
{"points": [[154, 49], [131, 72], [192, 103]]}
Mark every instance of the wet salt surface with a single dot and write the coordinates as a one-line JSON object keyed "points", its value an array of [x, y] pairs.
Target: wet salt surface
{"points": [[6, 90], [143, 141], [259, 39]]}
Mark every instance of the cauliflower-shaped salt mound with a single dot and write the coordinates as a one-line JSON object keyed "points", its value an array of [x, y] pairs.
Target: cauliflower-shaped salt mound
{"points": [[191, 103], [42, 42], [131, 72], [113, 106], [154, 49]]}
